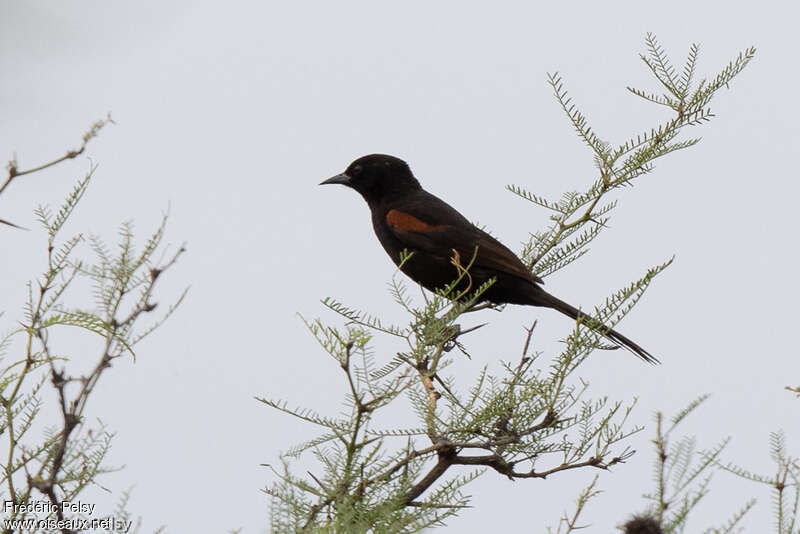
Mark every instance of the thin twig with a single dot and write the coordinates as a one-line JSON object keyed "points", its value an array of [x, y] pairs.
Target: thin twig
{"points": [[13, 172]]}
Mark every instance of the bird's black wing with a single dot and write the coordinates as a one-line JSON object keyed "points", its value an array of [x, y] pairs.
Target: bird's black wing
{"points": [[431, 226]]}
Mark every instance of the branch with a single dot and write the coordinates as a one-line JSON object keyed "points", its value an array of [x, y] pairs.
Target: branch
{"points": [[447, 458], [72, 410], [13, 172], [499, 464]]}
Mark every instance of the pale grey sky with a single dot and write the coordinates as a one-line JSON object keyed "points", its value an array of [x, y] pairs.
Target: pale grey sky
{"points": [[231, 114]]}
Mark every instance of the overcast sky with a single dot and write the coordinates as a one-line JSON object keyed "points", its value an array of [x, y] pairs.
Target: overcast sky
{"points": [[230, 114]]}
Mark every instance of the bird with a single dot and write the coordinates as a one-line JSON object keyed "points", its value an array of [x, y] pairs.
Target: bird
{"points": [[408, 219]]}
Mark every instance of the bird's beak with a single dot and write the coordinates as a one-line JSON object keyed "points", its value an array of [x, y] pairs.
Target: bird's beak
{"points": [[338, 179]]}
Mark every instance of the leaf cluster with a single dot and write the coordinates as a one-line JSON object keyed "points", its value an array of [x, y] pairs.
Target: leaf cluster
{"points": [[579, 217], [682, 475], [784, 484]]}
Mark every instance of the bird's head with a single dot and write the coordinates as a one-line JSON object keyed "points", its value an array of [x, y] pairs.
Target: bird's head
{"points": [[377, 177]]}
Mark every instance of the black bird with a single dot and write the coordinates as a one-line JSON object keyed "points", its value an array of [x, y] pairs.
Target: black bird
{"points": [[406, 217]]}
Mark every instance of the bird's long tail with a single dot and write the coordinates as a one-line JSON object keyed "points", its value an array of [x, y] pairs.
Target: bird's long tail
{"points": [[545, 299]]}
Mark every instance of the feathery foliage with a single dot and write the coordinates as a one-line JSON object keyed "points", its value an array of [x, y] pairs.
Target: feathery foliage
{"points": [[579, 217], [71, 455], [784, 484], [682, 475]]}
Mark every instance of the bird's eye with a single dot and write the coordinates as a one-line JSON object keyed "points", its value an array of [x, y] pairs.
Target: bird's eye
{"points": [[355, 171]]}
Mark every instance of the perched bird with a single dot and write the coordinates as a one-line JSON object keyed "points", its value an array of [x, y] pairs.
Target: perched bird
{"points": [[406, 217]]}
